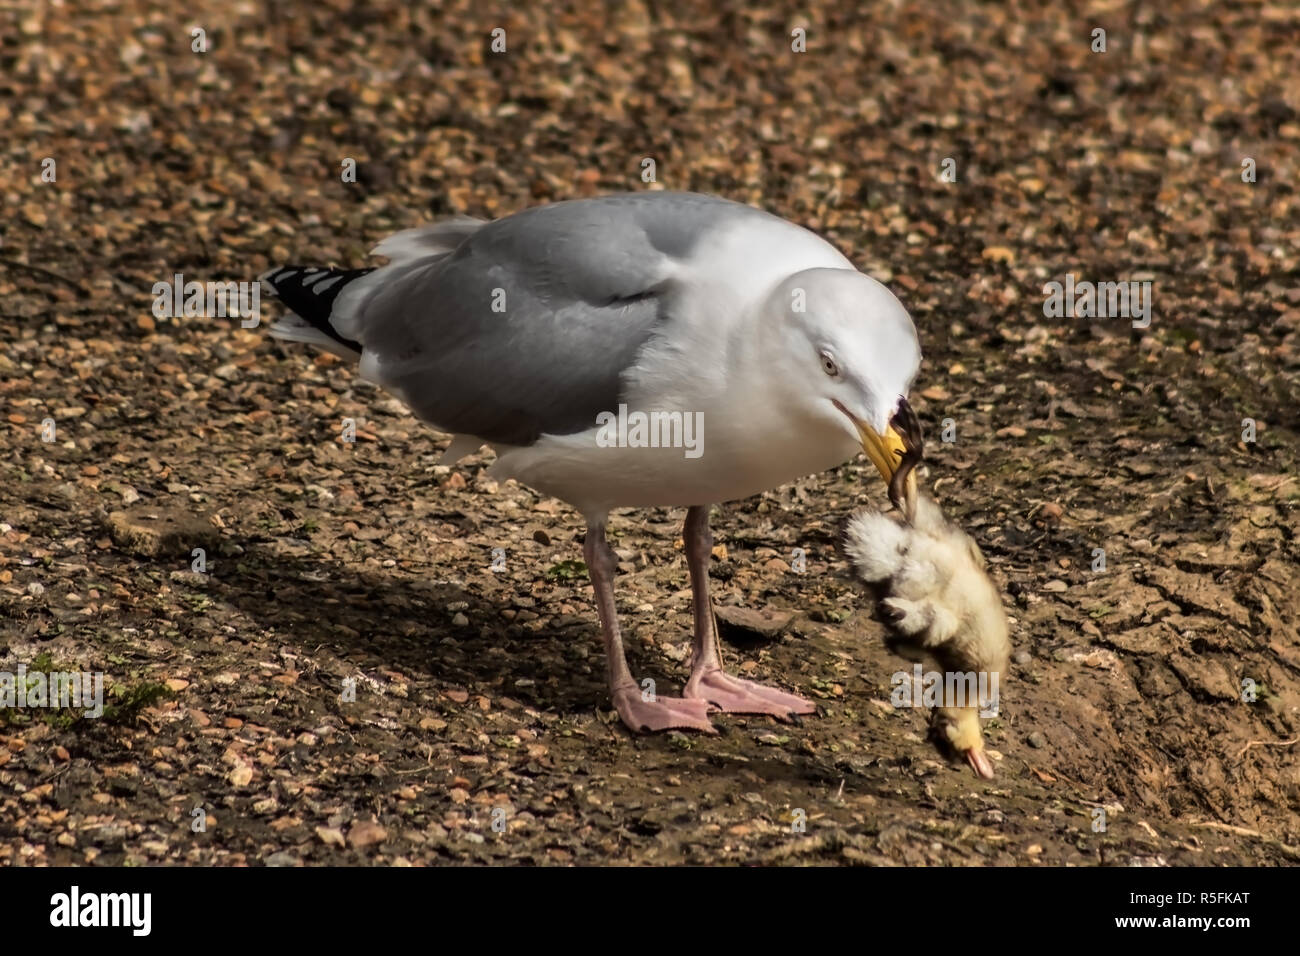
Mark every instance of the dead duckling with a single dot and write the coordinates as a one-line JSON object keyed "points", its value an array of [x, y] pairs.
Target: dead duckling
{"points": [[942, 607]]}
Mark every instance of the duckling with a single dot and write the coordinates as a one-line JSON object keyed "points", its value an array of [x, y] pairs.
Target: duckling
{"points": [[942, 607]]}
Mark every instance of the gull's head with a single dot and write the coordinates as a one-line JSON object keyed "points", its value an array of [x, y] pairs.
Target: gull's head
{"points": [[850, 355]]}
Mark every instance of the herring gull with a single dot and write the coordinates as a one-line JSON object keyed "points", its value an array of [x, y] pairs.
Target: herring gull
{"points": [[647, 349]]}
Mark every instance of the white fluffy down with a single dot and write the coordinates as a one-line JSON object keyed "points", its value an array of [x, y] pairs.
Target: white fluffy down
{"points": [[875, 545], [937, 588]]}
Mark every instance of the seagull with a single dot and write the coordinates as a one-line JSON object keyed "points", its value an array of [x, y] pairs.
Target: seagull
{"points": [[651, 349]]}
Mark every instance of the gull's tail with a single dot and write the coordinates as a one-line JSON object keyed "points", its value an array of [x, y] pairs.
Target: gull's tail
{"points": [[310, 292]]}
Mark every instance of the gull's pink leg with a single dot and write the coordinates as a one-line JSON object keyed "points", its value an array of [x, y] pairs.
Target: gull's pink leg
{"points": [[709, 681], [657, 713]]}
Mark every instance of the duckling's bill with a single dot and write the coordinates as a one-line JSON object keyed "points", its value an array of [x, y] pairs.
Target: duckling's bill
{"points": [[979, 762]]}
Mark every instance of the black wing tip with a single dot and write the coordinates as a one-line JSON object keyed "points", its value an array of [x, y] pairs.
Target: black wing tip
{"points": [[310, 291]]}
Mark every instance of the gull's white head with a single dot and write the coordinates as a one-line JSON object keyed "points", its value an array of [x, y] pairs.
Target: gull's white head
{"points": [[850, 356]]}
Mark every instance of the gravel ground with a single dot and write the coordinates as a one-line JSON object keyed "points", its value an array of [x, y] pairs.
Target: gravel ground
{"points": [[479, 696]]}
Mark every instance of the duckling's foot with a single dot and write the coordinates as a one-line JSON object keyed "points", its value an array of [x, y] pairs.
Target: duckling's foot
{"points": [[734, 695]]}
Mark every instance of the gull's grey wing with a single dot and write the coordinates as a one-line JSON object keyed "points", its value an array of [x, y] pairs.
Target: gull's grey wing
{"points": [[526, 327]]}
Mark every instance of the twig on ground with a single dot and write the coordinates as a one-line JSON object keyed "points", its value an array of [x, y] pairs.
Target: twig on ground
{"points": [[1267, 743], [1286, 848]]}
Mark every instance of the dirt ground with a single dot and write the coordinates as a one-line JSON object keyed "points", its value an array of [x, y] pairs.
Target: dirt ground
{"points": [[480, 696]]}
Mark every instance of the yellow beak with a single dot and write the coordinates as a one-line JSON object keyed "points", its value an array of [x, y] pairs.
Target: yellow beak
{"points": [[895, 453], [886, 453]]}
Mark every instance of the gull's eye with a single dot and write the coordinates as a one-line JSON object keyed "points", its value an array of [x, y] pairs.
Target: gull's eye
{"points": [[829, 366]]}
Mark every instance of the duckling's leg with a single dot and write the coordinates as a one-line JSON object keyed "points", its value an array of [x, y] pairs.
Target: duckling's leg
{"points": [[708, 680], [935, 623], [908, 617]]}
